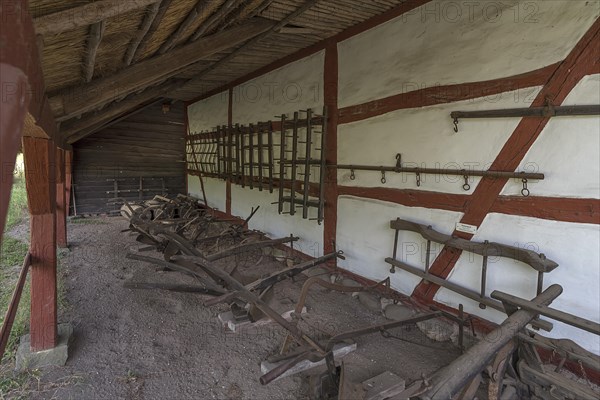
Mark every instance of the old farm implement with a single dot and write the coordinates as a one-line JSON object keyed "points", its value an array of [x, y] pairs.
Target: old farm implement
{"points": [[506, 363]]}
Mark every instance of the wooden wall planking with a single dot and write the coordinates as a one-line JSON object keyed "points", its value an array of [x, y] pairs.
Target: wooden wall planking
{"points": [[149, 144]]}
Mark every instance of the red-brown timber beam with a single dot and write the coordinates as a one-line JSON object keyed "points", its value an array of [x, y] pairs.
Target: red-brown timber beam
{"points": [[584, 211], [578, 64], [330, 94], [409, 197], [39, 155], [445, 94]]}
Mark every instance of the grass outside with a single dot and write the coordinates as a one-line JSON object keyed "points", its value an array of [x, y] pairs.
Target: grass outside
{"points": [[12, 254]]}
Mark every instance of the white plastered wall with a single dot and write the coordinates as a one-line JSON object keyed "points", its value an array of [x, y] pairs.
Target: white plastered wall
{"points": [[429, 48], [567, 150], [296, 86], [206, 115], [451, 42]]}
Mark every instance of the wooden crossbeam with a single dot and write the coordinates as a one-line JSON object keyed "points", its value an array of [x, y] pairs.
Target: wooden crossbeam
{"points": [[87, 97], [151, 14], [85, 15], [96, 33]]}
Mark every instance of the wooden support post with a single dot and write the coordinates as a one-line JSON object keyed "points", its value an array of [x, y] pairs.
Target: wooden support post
{"points": [[41, 193], [68, 181], [61, 209]]}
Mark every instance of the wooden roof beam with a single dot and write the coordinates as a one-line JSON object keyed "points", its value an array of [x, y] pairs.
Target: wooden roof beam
{"points": [[85, 15], [216, 18], [77, 129], [257, 39], [151, 14], [187, 22], [84, 98], [96, 33], [139, 49], [243, 13]]}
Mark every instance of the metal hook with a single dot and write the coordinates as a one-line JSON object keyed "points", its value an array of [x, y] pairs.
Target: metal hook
{"points": [[383, 180], [525, 192], [456, 124], [418, 179], [398, 160], [352, 176], [466, 186]]}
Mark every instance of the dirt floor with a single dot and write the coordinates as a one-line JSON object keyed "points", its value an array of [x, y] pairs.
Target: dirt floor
{"points": [[154, 344]]}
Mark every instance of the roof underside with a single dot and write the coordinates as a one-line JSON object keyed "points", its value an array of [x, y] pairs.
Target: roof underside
{"points": [[81, 58]]}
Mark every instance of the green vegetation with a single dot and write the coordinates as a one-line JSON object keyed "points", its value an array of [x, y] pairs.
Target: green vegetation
{"points": [[12, 254], [17, 209]]}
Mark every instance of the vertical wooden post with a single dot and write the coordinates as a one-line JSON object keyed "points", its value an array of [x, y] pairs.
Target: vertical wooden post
{"points": [[330, 93], [68, 180], [61, 210], [40, 174]]}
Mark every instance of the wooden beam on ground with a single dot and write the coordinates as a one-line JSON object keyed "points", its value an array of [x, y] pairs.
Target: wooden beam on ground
{"points": [[39, 157], [79, 99], [72, 130], [187, 22], [94, 39], [164, 6], [85, 15], [215, 18], [61, 210], [256, 39], [151, 14]]}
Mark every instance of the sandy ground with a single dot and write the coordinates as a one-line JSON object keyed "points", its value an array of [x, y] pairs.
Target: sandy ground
{"points": [[151, 344]]}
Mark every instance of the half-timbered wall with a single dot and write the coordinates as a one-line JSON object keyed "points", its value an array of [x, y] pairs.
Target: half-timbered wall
{"points": [[391, 89], [147, 148]]}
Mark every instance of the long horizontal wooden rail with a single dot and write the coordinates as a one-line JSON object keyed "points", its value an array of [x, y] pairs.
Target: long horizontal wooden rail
{"points": [[516, 303], [11, 313], [468, 293]]}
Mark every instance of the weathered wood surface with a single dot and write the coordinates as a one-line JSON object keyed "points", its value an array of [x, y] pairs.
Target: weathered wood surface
{"points": [[536, 261], [39, 156], [449, 380], [148, 144], [86, 14], [83, 98], [95, 38]]}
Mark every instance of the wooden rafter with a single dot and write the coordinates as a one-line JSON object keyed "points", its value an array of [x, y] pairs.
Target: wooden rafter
{"points": [[85, 15], [257, 39], [151, 14], [246, 12], [76, 129], [96, 33], [187, 22], [215, 18], [87, 97], [164, 6]]}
